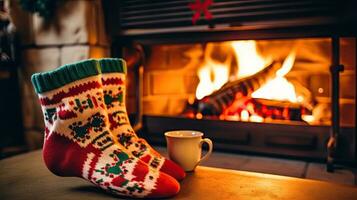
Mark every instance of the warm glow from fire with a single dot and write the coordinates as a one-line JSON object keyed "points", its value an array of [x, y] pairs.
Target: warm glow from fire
{"points": [[259, 105], [244, 115], [248, 59], [308, 118], [279, 88], [256, 118], [212, 76]]}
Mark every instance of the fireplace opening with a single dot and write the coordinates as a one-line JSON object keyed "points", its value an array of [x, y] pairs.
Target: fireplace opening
{"points": [[263, 81], [248, 86], [263, 96]]}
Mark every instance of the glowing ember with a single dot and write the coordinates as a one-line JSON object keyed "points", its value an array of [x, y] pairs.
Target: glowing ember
{"points": [[244, 115], [308, 118], [256, 118], [199, 116]]}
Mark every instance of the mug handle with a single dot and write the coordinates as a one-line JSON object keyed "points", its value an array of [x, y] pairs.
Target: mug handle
{"points": [[210, 148]]}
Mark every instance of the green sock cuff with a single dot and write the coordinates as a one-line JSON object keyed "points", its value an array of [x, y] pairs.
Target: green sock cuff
{"points": [[47, 81], [110, 65]]}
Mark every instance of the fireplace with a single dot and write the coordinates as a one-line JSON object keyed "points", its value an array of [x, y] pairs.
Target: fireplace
{"points": [[267, 77]]}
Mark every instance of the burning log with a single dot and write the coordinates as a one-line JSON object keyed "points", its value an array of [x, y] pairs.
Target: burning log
{"points": [[308, 101], [282, 110], [254, 109], [215, 103]]}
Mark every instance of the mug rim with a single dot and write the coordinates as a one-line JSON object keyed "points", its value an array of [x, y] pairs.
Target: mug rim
{"points": [[197, 134]]}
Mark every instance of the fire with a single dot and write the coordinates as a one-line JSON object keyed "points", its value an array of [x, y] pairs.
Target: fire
{"points": [[279, 88], [213, 75], [248, 59]]}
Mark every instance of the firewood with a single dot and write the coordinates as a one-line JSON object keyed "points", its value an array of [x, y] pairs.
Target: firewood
{"points": [[281, 109], [278, 104], [215, 103], [308, 101], [265, 108]]}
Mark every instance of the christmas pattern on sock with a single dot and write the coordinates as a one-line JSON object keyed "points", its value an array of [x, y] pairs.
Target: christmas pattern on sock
{"points": [[113, 80], [77, 137]]}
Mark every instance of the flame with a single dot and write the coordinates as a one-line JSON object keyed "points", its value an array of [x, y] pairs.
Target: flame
{"points": [[280, 88], [212, 76], [248, 59]]}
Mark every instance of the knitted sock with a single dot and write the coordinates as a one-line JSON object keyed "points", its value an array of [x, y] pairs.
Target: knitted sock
{"points": [[77, 137], [113, 80]]}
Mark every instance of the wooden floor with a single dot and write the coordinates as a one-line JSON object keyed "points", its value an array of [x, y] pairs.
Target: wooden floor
{"points": [[278, 166]]}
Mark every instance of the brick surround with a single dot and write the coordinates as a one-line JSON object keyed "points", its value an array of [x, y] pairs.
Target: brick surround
{"points": [[76, 32]]}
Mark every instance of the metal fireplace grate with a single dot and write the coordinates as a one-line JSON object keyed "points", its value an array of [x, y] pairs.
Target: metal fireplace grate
{"points": [[159, 19], [172, 14]]}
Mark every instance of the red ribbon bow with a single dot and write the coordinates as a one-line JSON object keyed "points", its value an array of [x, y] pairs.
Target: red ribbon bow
{"points": [[199, 7]]}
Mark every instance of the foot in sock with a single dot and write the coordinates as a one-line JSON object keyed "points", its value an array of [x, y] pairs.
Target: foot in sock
{"points": [[113, 80], [78, 141]]}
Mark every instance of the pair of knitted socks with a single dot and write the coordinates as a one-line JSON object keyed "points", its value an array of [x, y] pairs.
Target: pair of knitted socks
{"points": [[88, 133]]}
